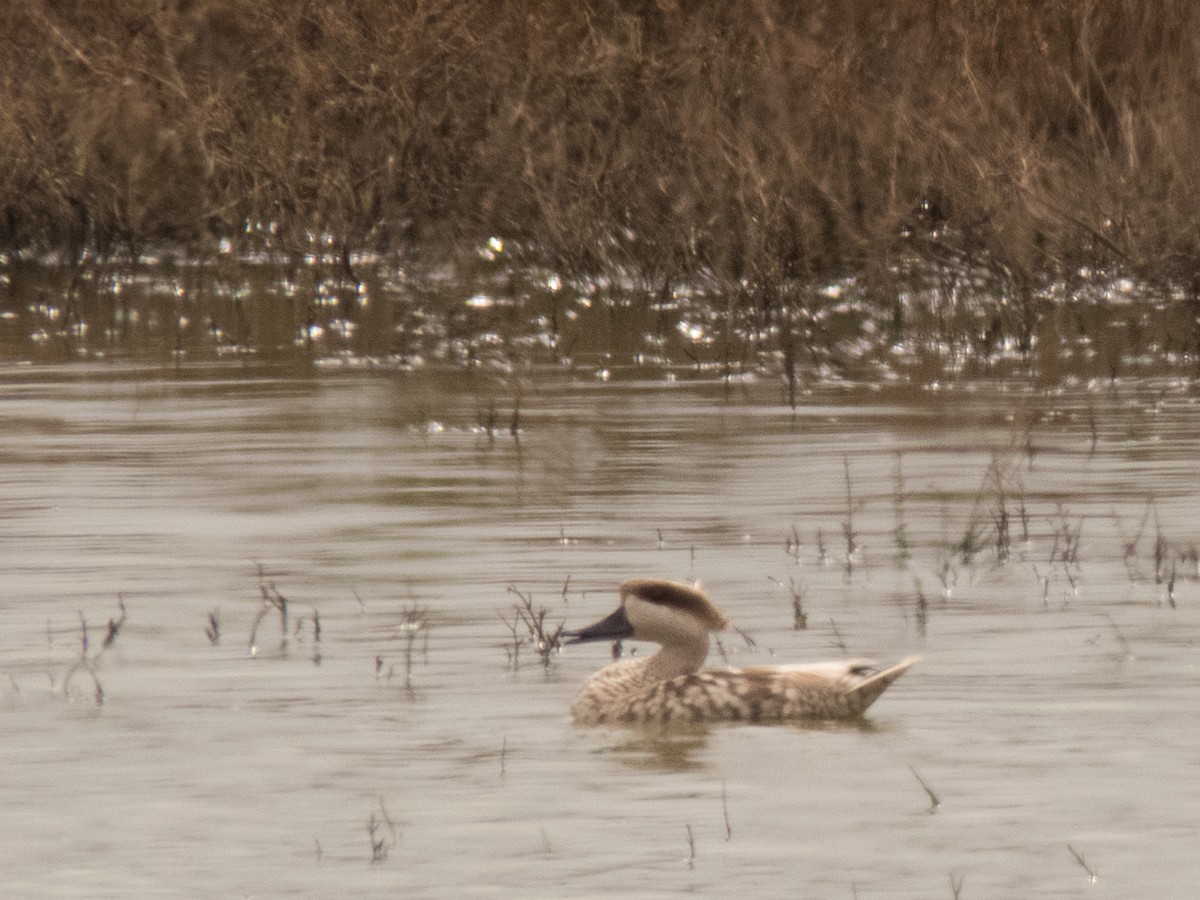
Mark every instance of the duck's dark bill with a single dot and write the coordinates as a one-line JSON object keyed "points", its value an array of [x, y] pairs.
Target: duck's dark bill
{"points": [[612, 627]]}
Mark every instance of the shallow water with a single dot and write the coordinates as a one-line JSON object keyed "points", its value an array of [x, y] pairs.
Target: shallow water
{"points": [[1053, 713]]}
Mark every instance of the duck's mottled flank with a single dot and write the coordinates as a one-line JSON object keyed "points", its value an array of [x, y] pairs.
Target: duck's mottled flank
{"points": [[669, 688]]}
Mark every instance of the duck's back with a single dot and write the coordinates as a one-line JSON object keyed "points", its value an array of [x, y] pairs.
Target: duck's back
{"points": [[837, 690]]}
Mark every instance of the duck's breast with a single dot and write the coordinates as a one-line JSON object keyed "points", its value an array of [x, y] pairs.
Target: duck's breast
{"points": [[605, 696]]}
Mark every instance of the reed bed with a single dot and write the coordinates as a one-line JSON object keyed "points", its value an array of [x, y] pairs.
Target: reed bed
{"points": [[763, 144]]}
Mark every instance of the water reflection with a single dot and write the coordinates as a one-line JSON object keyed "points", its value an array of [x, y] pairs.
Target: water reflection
{"points": [[685, 748], [679, 749]]}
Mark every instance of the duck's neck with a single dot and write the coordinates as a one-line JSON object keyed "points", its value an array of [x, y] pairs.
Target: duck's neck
{"points": [[677, 659]]}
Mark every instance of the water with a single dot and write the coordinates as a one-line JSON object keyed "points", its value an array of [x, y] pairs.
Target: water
{"points": [[1053, 713]]}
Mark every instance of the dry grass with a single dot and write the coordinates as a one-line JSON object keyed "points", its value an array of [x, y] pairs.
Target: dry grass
{"points": [[756, 143]]}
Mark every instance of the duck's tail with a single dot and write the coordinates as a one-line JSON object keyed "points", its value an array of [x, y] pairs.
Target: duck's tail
{"points": [[867, 692]]}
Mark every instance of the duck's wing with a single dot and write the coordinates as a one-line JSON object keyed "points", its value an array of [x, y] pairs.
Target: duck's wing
{"points": [[833, 689]]}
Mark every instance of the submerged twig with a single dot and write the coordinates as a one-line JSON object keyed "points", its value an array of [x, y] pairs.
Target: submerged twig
{"points": [[934, 802], [1093, 875]]}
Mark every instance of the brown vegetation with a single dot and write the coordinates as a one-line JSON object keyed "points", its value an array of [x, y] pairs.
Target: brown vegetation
{"points": [[756, 142]]}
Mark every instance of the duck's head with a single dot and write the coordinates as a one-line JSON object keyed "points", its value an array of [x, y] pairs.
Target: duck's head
{"points": [[665, 612]]}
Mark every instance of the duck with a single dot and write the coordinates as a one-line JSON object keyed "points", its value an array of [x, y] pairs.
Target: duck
{"points": [[670, 687]]}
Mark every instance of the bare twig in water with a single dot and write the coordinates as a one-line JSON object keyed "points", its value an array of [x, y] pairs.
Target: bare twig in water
{"points": [[956, 883], [1093, 876], [1125, 651], [532, 622], [1003, 540], [1044, 581], [750, 642], [848, 525], [1066, 548], [414, 620], [271, 599], [379, 672], [901, 531], [513, 649], [1161, 550], [380, 842], [799, 617], [934, 802], [89, 664], [114, 626], [725, 811], [691, 860], [837, 639], [922, 607], [85, 664], [487, 420], [316, 633], [213, 629], [792, 544], [1131, 546], [280, 602], [948, 576]]}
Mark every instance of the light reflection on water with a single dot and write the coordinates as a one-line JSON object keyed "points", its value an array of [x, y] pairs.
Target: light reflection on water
{"points": [[1054, 705]]}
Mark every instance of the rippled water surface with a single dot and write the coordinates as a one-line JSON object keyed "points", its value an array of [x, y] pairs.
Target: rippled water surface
{"points": [[1008, 535]]}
